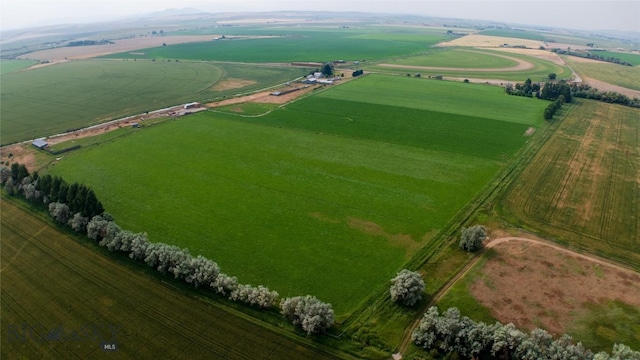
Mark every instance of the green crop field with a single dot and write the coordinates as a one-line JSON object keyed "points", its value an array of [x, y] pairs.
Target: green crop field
{"points": [[300, 211], [582, 187], [7, 66], [63, 299], [458, 58], [57, 98], [625, 76], [541, 68], [628, 57], [294, 45]]}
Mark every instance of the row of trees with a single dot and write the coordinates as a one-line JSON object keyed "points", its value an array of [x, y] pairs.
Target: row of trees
{"points": [[46, 189], [450, 332], [528, 89], [590, 55], [311, 314], [553, 108], [587, 92], [553, 90]]}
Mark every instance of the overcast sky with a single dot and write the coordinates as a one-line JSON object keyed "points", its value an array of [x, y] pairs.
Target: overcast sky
{"points": [[573, 14]]}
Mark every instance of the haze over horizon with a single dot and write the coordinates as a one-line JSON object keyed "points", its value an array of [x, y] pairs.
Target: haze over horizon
{"points": [[569, 14]]}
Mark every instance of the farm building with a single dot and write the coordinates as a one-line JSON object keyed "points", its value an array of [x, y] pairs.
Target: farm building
{"points": [[40, 143], [192, 105]]}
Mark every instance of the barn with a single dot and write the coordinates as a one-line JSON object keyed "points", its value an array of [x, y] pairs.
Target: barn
{"points": [[40, 143]]}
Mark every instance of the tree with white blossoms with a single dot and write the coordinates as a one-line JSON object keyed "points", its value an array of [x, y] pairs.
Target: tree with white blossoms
{"points": [[59, 211], [78, 223], [260, 296], [138, 246], [450, 333], [472, 237], [165, 257], [311, 314], [224, 284], [96, 227], [407, 287], [196, 270]]}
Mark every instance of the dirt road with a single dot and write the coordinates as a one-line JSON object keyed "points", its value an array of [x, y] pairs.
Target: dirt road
{"points": [[406, 340]]}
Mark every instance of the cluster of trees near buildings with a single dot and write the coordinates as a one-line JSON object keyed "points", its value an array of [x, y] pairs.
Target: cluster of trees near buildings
{"points": [[77, 207], [450, 333]]}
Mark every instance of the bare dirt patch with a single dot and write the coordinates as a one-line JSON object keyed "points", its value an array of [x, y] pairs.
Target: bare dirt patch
{"points": [[264, 97], [86, 52], [18, 153], [229, 84], [535, 285]]}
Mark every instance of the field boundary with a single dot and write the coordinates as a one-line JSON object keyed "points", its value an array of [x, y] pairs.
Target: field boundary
{"points": [[168, 281], [480, 255]]}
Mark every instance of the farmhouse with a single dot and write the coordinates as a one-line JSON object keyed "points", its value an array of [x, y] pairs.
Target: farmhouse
{"points": [[40, 143]]}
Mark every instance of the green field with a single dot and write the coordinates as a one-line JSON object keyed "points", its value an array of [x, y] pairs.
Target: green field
{"points": [[76, 94], [582, 187], [458, 58], [298, 211], [7, 66], [625, 76], [540, 71], [295, 45], [63, 299], [628, 57]]}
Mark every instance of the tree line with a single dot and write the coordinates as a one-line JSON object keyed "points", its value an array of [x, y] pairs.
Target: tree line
{"points": [[450, 333], [589, 55], [552, 90], [77, 207]]}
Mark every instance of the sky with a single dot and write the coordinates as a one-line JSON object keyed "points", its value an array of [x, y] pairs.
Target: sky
{"points": [[571, 14]]}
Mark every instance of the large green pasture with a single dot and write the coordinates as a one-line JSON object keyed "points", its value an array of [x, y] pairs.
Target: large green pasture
{"points": [[7, 66], [295, 45], [625, 76], [458, 58], [628, 57], [76, 94], [477, 100], [331, 212], [297, 211], [478, 59]]}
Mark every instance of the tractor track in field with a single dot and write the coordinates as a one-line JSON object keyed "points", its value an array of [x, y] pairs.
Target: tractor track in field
{"points": [[406, 339]]}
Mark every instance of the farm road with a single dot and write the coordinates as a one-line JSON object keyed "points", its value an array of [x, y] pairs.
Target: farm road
{"points": [[406, 339]]}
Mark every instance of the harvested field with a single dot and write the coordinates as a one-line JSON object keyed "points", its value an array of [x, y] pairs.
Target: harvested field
{"points": [[534, 285], [490, 41], [540, 54], [86, 52], [583, 185], [64, 299]]}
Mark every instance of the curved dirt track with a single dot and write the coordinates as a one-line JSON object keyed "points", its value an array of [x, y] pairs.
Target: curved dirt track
{"points": [[522, 65], [406, 340]]}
